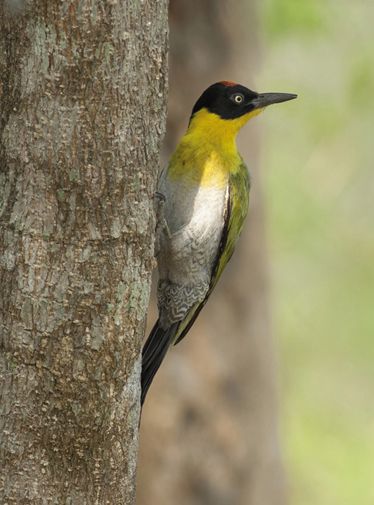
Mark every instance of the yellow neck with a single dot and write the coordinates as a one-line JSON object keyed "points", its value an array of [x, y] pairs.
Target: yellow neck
{"points": [[207, 153], [219, 131]]}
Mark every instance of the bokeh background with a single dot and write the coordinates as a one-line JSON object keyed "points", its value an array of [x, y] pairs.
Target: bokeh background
{"points": [[318, 166], [270, 399]]}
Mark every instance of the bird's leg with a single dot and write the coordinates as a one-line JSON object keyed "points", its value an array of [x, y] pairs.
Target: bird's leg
{"points": [[160, 196], [160, 214], [161, 224]]}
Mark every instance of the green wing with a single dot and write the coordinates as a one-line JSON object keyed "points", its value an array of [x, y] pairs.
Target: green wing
{"points": [[236, 212]]}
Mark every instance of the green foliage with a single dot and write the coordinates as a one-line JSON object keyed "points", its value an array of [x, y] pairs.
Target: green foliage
{"points": [[320, 185], [281, 16]]}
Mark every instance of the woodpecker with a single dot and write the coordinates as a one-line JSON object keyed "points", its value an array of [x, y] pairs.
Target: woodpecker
{"points": [[203, 197]]}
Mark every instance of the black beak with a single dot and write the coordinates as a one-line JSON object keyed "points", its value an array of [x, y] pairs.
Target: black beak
{"points": [[265, 99]]}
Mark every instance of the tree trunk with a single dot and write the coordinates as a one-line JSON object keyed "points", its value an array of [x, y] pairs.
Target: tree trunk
{"points": [[82, 97], [209, 428]]}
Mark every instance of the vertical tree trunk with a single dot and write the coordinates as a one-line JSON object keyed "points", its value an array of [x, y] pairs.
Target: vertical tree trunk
{"points": [[82, 114], [209, 430]]}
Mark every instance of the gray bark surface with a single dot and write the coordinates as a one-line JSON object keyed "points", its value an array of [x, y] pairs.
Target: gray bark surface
{"points": [[82, 95]]}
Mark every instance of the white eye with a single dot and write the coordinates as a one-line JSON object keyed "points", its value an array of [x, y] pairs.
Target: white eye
{"points": [[238, 98]]}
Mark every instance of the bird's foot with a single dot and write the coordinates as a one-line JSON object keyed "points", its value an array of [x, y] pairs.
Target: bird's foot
{"points": [[161, 224]]}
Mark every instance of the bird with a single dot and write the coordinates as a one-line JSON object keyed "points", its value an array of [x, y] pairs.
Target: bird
{"points": [[203, 198]]}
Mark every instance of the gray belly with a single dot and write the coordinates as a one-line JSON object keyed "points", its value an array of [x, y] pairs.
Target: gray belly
{"points": [[188, 247]]}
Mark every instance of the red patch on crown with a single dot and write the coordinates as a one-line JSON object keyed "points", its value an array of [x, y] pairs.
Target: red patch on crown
{"points": [[228, 83]]}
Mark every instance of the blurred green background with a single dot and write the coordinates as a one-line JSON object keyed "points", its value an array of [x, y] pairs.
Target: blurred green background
{"points": [[318, 170]]}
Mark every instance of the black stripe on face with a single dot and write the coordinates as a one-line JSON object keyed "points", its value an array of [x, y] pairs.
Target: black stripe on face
{"points": [[227, 101]]}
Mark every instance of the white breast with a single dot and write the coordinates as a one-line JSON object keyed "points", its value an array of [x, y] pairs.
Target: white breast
{"points": [[194, 216]]}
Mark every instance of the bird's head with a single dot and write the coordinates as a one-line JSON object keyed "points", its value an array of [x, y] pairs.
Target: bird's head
{"points": [[233, 104]]}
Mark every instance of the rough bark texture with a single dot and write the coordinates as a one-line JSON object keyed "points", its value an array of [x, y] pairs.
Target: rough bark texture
{"points": [[82, 114], [209, 428]]}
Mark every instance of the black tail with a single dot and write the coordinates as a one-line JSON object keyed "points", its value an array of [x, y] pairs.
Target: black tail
{"points": [[154, 351]]}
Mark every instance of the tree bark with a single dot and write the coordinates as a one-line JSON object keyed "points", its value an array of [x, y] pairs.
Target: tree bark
{"points": [[82, 95], [209, 428]]}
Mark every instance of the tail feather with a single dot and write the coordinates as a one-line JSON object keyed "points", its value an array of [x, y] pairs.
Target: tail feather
{"points": [[154, 351]]}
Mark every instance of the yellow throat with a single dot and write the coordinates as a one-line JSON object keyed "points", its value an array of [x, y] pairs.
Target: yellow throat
{"points": [[207, 153]]}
